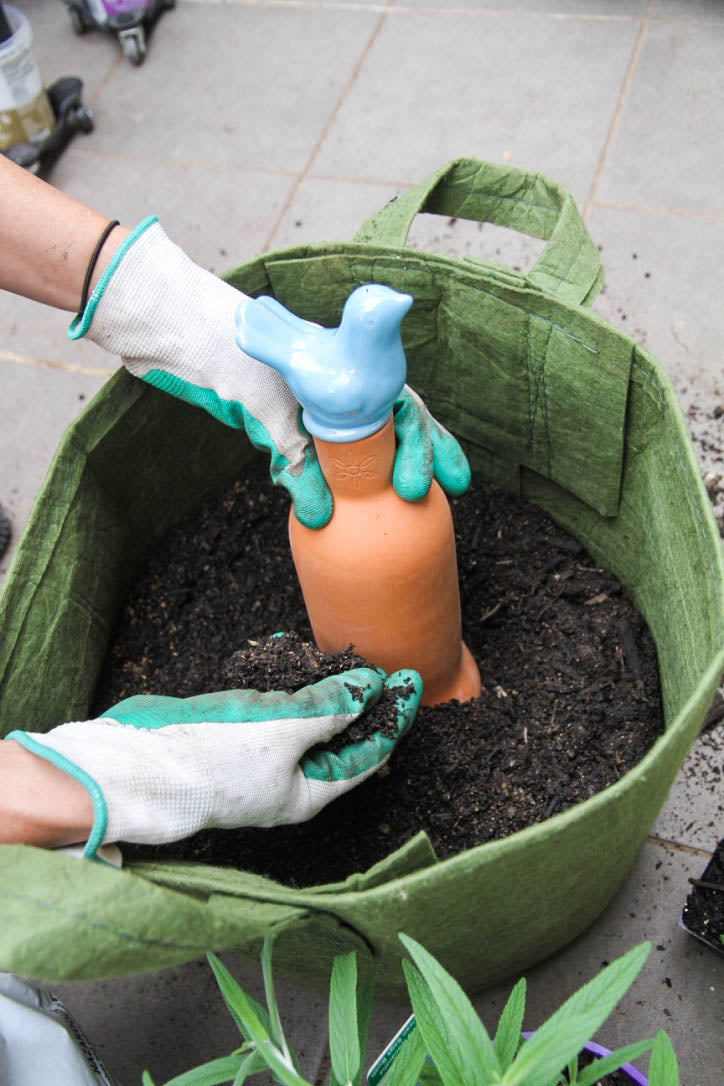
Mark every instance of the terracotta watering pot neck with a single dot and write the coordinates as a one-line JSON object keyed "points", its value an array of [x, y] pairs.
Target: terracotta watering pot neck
{"points": [[357, 469]]}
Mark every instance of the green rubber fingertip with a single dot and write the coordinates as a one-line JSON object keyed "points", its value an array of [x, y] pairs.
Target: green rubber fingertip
{"points": [[452, 469], [313, 514], [351, 691], [412, 473], [350, 762], [407, 703]]}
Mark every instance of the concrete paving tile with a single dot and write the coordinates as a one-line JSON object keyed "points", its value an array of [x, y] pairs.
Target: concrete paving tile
{"points": [[583, 9], [667, 150], [328, 210], [58, 51], [680, 989], [482, 241], [37, 331], [37, 404], [220, 217], [694, 812], [687, 9], [252, 86], [663, 274], [172, 1020], [537, 93]]}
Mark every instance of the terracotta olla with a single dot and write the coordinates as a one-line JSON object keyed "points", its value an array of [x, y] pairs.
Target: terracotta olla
{"points": [[550, 402], [382, 575]]}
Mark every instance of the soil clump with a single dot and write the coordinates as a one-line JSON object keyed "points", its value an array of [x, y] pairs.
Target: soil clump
{"points": [[570, 698]]}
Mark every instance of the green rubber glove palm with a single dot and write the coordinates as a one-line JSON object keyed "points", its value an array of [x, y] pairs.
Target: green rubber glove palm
{"points": [[159, 769]]}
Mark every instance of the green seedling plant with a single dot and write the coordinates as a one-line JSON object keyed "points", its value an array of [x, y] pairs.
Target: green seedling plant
{"points": [[445, 1043]]}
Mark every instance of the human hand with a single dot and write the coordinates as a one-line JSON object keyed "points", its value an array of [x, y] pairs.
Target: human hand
{"points": [[159, 769], [425, 451], [172, 323]]}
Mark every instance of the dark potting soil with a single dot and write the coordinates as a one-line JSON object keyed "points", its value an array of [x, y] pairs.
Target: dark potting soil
{"points": [[703, 913], [570, 701]]}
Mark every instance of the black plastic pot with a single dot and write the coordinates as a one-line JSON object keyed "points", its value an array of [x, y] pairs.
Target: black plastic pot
{"points": [[703, 914]]}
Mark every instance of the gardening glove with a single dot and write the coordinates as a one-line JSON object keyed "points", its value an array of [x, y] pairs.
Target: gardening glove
{"points": [[173, 325], [159, 769], [425, 450]]}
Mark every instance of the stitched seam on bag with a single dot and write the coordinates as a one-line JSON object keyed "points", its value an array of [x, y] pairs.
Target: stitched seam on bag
{"points": [[538, 393], [538, 377], [571, 265], [119, 933], [656, 390]]}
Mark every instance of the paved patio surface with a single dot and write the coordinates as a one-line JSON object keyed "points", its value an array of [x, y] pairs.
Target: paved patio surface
{"points": [[256, 125]]}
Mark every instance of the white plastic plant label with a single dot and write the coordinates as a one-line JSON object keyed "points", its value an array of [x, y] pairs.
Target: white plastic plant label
{"points": [[387, 1057]]}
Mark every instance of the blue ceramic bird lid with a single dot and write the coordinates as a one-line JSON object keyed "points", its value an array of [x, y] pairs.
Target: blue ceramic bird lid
{"points": [[345, 378]]}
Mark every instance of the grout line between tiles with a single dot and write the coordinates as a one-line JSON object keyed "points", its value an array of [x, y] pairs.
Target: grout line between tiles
{"points": [[617, 111], [94, 98], [46, 363], [325, 132]]}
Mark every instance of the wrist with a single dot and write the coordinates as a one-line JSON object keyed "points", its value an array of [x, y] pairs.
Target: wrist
{"points": [[111, 243], [39, 803]]}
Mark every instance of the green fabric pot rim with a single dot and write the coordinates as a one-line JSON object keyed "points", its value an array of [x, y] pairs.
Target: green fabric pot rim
{"points": [[552, 403]]}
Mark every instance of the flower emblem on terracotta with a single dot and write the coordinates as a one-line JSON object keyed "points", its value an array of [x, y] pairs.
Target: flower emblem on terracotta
{"points": [[351, 470]]}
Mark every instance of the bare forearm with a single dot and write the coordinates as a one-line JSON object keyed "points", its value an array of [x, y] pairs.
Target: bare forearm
{"points": [[40, 804], [46, 239]]}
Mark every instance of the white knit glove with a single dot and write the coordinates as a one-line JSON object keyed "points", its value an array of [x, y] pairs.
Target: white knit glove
{"points": [[159, 769], [172, 323], [174, 326]]}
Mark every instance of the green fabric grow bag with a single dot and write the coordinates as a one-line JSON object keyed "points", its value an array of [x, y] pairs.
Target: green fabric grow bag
{"points": [[550, 402]]}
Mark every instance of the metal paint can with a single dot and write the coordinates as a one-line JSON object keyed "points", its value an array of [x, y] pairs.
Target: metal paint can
{"points": [[26, 115]]}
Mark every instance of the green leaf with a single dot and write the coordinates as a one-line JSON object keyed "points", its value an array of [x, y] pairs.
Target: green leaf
{"points": [[406, 1068], [560, 1038], [212, 1073], [146, 1080], [231, 991], [252, 1064], [471, 1051], [365, 1001], [607, 1064], [275, 1032], [272, 1021], [245, 1015], [507, 1036], [431, 1025], [663, 1068], [343, 1031]]}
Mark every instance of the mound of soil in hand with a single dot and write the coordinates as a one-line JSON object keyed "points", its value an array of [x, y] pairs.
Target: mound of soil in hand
{"points": [[703, 913], [286, 662], [571, 691]]}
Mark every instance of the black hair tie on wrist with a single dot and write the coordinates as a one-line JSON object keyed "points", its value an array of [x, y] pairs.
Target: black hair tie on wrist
{"points": [[92, 263]]}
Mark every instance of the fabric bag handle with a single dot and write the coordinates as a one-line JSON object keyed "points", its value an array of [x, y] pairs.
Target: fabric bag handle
{"points": [[569, 267]]}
